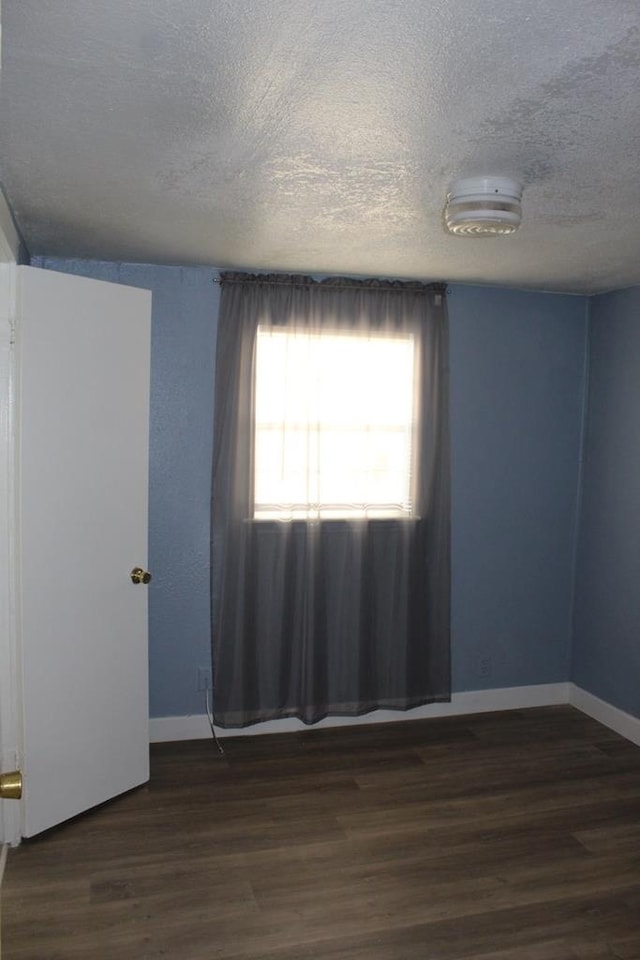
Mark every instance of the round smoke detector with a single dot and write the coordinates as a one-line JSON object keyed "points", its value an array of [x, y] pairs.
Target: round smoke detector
{"points": [[483, 207]]}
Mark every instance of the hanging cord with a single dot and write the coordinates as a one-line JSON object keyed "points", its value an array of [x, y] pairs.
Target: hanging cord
{"points": [[207, 705]]}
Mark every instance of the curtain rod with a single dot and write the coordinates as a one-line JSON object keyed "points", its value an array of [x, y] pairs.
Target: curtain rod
{"points": [[397, 285]]}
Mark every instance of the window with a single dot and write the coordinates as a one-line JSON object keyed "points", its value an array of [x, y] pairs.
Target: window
{"points": [[335, 425], [330, 543]]}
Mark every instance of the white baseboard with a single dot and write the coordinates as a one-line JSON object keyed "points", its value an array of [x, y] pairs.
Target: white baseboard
{"points": [[623, 723], [165, 729]]}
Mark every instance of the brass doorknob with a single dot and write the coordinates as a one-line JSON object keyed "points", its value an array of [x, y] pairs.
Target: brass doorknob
{"points": [[138, 575], [11, 785]]}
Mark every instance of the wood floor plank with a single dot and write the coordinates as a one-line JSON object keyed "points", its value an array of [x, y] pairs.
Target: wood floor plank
{"points": [[500, 836]]}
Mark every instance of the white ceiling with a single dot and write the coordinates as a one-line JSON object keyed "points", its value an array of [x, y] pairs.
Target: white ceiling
{"points": [[321, 135]]}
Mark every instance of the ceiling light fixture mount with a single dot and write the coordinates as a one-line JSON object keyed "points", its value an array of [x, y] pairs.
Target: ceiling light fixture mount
{"points": [[483, 207]]}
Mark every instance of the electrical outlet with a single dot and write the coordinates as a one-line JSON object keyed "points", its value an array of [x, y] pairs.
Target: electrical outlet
{"points": [[204, 679], [484, 666]]}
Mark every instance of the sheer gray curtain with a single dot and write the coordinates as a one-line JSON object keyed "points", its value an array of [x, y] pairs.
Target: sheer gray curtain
{"points": [[330, 584]]}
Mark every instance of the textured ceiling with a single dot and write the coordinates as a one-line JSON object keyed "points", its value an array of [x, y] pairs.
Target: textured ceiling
{"points": [[321, 135]]}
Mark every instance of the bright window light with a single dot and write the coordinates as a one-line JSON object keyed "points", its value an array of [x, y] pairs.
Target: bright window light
{"points": [[334, 425]]}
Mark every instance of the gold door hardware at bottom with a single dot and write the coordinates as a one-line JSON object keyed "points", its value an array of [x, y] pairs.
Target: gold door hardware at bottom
{"points": [[11, 785], [138, 575]]}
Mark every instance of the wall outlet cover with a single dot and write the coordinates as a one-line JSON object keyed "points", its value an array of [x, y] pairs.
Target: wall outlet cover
{"points": [[484, 666]]}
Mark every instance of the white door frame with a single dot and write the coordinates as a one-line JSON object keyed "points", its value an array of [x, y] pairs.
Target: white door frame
{"points": [[9, 680]]}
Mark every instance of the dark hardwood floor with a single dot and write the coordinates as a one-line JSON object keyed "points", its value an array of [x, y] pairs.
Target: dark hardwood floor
{"points": [[502, 836]]}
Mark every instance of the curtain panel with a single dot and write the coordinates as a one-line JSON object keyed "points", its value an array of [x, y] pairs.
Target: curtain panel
{"points": [[319, 608]]}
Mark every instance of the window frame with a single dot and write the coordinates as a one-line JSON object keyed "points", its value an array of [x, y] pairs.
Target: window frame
{"points": [[309, 511]]}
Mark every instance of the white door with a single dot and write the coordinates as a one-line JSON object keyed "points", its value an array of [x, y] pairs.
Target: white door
{"points": [[82, 478]]}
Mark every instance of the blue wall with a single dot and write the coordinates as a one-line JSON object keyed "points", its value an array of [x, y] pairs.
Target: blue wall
{"points": [[516, 404], [606, 646], [517, 391], [183, 331]]}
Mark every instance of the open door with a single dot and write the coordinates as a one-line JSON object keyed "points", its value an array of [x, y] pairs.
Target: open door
{"points": [[82, 391]]}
